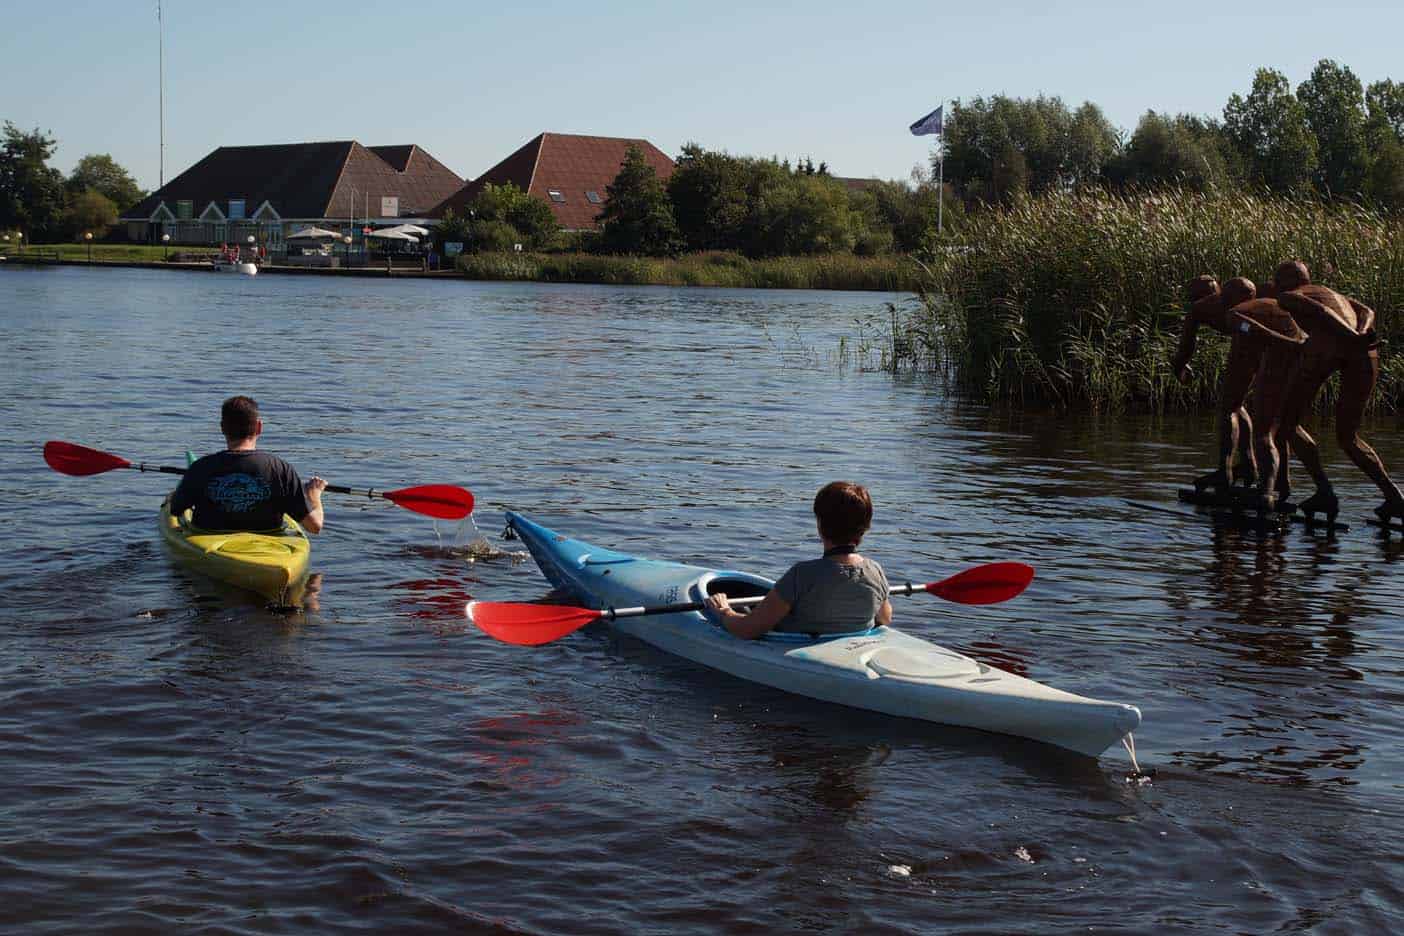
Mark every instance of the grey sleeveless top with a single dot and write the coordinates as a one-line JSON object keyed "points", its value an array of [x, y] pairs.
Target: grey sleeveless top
{"points": [[826, 597]]}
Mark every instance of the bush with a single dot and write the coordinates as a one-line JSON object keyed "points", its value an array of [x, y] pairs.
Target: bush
{"points": [[491, 236]]}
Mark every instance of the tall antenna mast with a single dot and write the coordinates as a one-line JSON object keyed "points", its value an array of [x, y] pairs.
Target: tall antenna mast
{"points": [[161, 59]]}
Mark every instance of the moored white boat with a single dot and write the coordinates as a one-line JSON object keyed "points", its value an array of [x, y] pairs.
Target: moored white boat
{"points": [[235, 266]]}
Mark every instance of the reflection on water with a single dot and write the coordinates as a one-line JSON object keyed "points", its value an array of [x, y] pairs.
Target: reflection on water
{"points": [[177, 754]]}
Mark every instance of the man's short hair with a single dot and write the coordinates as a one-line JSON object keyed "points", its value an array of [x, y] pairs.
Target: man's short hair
{"points": [[238, 418], [844, 511]]}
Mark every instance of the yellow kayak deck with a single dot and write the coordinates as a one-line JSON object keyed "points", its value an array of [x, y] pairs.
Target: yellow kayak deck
{"points": [[271, 563]]}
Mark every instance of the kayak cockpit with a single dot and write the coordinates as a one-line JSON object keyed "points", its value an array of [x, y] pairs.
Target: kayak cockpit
{"points": [[744, 585], [734, 585]]}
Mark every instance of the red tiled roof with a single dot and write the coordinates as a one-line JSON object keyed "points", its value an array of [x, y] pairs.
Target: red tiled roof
{"points": [[397, 156], [566, 163], [309, 180]]}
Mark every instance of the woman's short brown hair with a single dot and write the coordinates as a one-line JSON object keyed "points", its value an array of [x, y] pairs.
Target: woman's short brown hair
{"points": [[844, 511]]}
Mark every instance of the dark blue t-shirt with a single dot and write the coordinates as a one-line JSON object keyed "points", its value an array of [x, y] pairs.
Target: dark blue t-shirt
{"points": [[241, 491]]}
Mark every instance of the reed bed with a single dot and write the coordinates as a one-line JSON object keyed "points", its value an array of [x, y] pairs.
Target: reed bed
{"points": [[1075, 298], [831, 271]]}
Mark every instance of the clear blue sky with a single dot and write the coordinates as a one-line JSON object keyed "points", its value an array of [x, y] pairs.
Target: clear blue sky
{"points": [[471, 82]]}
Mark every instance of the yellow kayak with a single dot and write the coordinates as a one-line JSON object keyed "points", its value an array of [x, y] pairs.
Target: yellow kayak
{"points": [[271, 563]]}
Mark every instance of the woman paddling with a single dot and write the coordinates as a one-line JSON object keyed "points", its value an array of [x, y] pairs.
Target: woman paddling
{"points": [[839, 593]]}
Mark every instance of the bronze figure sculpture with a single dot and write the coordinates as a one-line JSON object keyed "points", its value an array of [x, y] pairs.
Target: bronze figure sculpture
{"points": [[1264, 342], [1286, 340], [1340, 337]]}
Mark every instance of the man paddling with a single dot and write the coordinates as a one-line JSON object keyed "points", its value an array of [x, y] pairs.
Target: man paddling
{"points": [[245, 489]]}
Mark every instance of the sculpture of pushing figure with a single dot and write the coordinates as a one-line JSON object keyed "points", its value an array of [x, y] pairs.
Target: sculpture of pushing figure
{"points": [[1341, 337], [1264, 342]]}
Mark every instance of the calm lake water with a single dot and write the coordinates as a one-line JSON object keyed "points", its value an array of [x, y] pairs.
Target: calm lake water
{"points": [[176, 757]]}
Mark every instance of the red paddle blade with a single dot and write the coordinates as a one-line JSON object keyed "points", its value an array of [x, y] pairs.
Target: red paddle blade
{"points": [[79, 460], [528, 625], [986, 584], [442, 501]]}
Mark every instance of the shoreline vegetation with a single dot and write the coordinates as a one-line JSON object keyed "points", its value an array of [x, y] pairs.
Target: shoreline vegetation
{"points": [[888, 273], [1075, 298], [708, 268]]}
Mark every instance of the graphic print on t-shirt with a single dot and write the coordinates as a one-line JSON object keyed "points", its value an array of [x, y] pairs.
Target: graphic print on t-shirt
{"points": [[237, 493]]}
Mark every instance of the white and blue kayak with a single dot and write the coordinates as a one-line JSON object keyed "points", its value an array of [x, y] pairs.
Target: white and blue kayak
{"points": [[882, 669]]}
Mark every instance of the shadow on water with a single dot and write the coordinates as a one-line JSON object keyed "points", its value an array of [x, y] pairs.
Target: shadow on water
{"points": [[1278, 616]]}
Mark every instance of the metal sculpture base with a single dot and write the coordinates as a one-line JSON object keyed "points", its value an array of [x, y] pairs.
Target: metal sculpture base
{"points": [[1241, 504]]}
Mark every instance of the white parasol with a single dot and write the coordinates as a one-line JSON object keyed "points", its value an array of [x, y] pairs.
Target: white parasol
{"points": [[392, 234], [314, 233]]}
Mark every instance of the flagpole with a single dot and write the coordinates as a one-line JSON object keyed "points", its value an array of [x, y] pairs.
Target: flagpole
{"points": [[161, 83]]}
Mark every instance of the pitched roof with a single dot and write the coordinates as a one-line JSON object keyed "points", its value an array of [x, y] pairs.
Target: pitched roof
{"points": [[309, 180], [568, 164]]}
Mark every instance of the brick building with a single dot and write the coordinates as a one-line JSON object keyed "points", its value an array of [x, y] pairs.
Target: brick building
{"points": [[271, 191], [568, 171]]}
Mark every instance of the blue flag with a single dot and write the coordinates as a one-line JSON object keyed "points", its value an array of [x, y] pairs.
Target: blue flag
{"points": [[931, 123]]}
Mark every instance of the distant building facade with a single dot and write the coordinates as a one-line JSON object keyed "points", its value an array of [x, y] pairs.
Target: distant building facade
{"points": [[568, 171], [269, 192]]}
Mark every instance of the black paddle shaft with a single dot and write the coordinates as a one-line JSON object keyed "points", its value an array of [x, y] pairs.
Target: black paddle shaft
{"points": [[334, 488], [164, 469]]}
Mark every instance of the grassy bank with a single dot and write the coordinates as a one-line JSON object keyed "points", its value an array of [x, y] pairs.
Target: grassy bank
{"points": [[1073, 298], [835, 271], [125, 252]]}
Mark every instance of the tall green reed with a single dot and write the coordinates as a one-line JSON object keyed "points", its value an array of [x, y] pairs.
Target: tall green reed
{"points": [[1075, 298]]}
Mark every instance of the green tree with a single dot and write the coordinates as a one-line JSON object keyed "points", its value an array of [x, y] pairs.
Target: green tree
{"points": [[101, 173], [708, 194], [1009, 176], [637, 216], [1334, 102], [1384, 181], [1384, 105], [806, 214], [31, 193], [531, 217], [1092, 142], [998, 147], [89, 211], [1270, 132], [1185, 150], [909, 211]]}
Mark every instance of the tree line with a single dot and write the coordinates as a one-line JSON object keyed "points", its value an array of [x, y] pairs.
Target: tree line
{"points": [[1333, 138], [39, 202]]}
